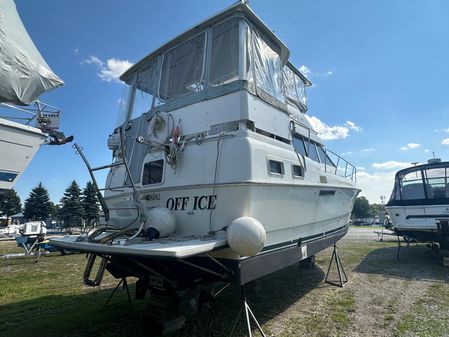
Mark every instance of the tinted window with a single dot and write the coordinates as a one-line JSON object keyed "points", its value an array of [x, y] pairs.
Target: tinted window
{"points": [[7, 176], [313, 154], [297, 171], [153, 172], [298, 144], [276, 167]]}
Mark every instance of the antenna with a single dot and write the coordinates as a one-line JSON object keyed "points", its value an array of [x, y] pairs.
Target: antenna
{"points": [[433, 153]]}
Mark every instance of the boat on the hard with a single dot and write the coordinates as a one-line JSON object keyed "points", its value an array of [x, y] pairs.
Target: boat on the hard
{"points": [[25, 122], [419, 204], [217, 174]]}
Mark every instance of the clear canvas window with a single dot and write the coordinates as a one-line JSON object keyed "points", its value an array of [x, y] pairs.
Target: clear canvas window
{"points": [[153, 172], [295, 89], [412, 186], [436, 183], [224, 62], [146, 84], [183, 69], [267, 67]]}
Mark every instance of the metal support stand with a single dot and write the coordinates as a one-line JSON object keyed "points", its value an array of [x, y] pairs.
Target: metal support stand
{"points": [[342, 278], [399, 248], [125, 287], [248, 314]]}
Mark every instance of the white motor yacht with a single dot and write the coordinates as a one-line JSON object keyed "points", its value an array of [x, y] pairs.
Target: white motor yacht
{"points": [[217, 175]]}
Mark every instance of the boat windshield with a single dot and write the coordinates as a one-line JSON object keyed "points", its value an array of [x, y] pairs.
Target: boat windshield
{"points": [[232, 50], [425, 183]]}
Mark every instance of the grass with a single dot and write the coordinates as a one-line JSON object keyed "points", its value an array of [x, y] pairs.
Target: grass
{"points": [[48, 298], [429, 316]]}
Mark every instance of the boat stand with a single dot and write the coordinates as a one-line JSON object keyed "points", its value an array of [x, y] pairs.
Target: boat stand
{"points": [[342, 278], [124, 287], [248, 315]]}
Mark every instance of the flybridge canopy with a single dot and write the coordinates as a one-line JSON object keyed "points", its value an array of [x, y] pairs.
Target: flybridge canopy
{"points": [[234, 50], [238, 8], [24, 74]]}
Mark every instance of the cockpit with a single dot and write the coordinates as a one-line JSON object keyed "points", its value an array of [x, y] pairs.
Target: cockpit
{"points": [[423, 184]]}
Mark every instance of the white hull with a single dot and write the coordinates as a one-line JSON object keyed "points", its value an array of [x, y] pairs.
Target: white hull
{"points": [[417, 218], [18, 145]]}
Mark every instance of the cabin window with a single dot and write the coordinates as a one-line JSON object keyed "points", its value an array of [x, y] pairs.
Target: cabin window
{"points": [[224, 62], [436, 182], [267, 64], [313, 153], [297, 171], [275, 167], [7, 176], [412, 186], [183, 69], [153, 172], [324, 157], [298, 144]]}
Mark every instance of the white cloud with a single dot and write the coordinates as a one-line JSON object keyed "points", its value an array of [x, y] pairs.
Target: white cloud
{"points": [[390, 165], [368, 149], [110, 70], [426, 150], [347, 153], [375, 184], [409, 146], [113, 69], [305, 70], [361, 168], [442, 130], [76, 51], [94, 60], [445, 141], [327, 132], [354, 127]]}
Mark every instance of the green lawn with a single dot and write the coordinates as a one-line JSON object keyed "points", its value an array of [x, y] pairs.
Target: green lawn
{"points": [[48, 298]]}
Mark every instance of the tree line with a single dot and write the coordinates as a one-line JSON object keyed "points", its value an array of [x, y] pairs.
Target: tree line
{"points": [[75, 206], [363, 209]]}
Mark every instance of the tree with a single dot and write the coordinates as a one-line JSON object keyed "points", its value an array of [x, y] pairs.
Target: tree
{"points": [[38, 204], [361, 208], [72, 206], [377, 209], [90, 204], [10, 204]]}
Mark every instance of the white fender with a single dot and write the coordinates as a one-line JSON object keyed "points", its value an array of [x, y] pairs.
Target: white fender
{"points": [[246, 236]]}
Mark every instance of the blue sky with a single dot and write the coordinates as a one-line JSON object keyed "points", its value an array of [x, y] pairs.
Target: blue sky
{"points": [[380, 71]]}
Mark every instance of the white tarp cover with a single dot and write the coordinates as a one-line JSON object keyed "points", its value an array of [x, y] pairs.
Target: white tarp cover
{"points": [[24, 74]]}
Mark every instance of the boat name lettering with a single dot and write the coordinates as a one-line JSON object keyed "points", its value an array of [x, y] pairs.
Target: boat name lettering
{"points": [[153, 196], [199, 202]]}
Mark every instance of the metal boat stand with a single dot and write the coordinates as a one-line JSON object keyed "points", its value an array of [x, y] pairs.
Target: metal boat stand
{"points": [[248, 314], [342, 278], [124, 287]]}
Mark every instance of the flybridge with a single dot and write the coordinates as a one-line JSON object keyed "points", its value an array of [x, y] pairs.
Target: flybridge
{"points": [[224, 54]]}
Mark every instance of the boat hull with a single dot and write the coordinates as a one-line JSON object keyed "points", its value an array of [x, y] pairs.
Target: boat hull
{"points": [[18, 145], [421, 222]]}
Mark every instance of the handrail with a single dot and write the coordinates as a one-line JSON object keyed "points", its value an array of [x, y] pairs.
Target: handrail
{"points": [[349, 170]]}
